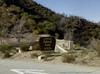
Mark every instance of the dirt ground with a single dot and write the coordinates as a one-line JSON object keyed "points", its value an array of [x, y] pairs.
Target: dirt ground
{"points": [[27, 56]]}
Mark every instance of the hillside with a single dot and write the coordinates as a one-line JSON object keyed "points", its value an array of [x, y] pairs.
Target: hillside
{"points": [[83, 30], [26, 16]]}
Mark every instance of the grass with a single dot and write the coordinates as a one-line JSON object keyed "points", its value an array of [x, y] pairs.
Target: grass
{"points": [[95, 44], [68, 58], [35, 54]]}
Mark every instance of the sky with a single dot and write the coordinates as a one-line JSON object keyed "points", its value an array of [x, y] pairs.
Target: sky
{"points": [[88, 9]]}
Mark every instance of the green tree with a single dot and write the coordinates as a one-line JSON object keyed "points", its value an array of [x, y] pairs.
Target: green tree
{"points": [[46, 27]]}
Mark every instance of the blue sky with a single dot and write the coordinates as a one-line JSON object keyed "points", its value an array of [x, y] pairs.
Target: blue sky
{"points": [[89, 9]]}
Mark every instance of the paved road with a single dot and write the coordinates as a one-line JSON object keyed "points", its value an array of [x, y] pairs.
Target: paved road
{"points": [[28, 67]]}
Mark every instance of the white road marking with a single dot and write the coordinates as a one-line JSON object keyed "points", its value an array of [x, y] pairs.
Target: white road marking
{"points": [[28, 71]]}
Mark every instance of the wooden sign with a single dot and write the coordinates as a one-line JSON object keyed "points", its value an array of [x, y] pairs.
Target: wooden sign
{"points": [[47, 43]]}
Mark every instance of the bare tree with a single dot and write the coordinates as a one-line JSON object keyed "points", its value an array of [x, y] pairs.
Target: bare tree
{"points": [[68, 35], [17, 30]]}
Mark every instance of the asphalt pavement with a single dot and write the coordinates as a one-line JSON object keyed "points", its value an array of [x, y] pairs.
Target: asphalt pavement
{"points": [[31, 67]]}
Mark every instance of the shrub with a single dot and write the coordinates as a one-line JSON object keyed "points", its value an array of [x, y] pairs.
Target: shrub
{"points": [[6, 50], [36, 46], [95, 44], [34, 55], [7, 55], [24, 47], [68, 58]]}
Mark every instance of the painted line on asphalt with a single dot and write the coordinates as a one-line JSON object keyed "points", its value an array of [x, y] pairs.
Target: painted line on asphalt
{"points": [[28, 71]]}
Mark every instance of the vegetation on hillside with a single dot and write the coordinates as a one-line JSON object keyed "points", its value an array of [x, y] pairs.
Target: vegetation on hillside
{"points": [[37, 19], [83, 30]]}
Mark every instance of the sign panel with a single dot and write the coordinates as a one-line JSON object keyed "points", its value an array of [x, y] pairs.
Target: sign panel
{"points": [[47, 43]]}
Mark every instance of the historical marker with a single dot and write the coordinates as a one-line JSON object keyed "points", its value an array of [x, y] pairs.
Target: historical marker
{"points": [[47, 43]]}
